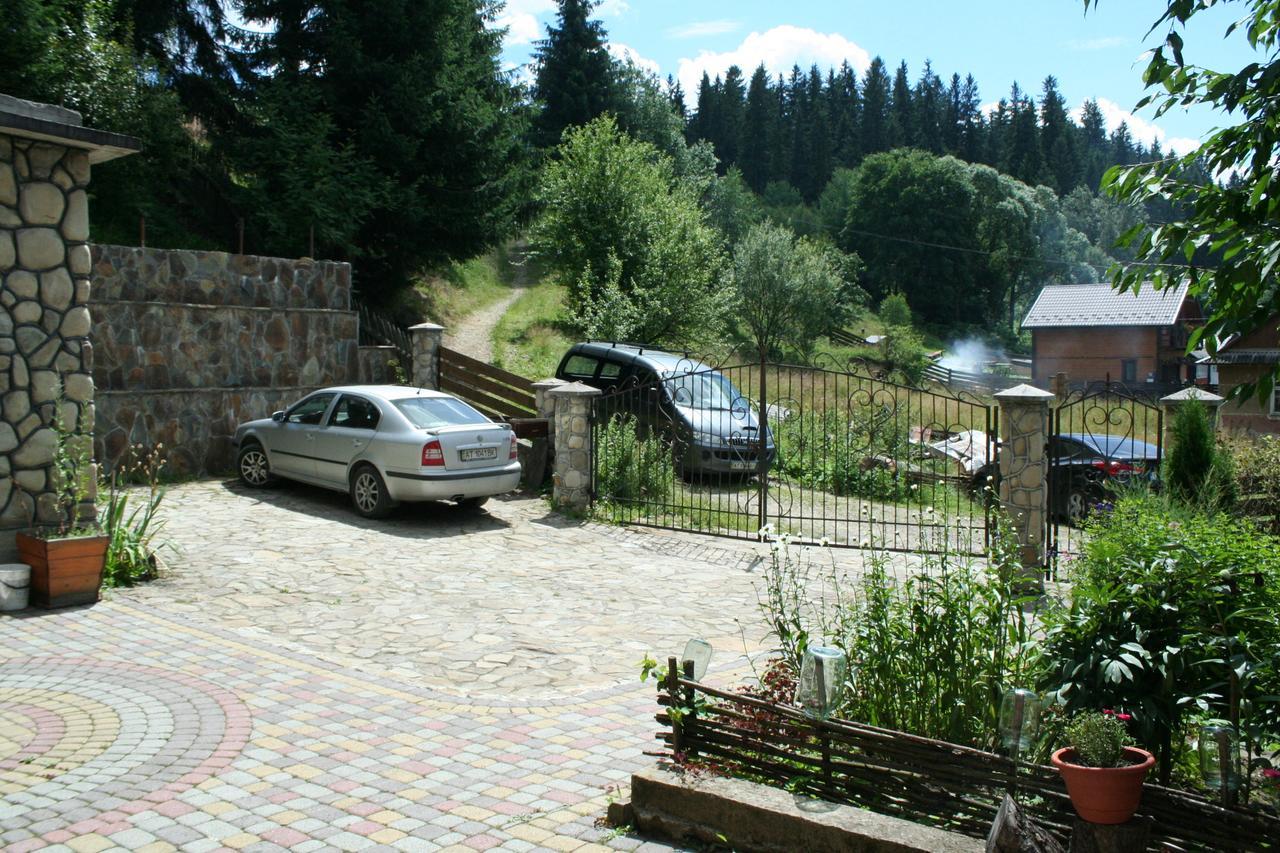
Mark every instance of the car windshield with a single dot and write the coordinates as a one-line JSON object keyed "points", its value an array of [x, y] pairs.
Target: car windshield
{"points": [[431, 412], [707, 390]]}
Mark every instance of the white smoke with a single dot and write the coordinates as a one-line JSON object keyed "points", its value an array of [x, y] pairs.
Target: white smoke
{"points": [[971, 355]]}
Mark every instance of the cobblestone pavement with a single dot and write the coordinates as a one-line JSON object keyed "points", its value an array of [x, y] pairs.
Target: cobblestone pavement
{"points": [[302, 679]]}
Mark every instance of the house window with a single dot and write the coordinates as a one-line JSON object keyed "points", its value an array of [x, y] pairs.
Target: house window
{"points": [[1129, 370], [1275, 400]]}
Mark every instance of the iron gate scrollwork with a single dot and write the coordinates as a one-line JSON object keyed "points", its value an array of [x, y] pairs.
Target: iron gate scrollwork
{"points": [[1103, 439], [844, 457]]}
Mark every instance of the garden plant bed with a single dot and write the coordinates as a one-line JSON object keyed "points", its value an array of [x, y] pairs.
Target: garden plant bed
{"points": [[927, 781]]}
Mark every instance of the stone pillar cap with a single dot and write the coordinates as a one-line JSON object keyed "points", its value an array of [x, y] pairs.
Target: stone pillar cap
{"points": [[1024, 394], [549, 383], [574, 389], [427, 327], [1193, 393]]}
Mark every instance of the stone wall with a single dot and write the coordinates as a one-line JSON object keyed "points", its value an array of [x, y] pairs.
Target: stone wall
{"points": [[189, 344], [44, 354]]}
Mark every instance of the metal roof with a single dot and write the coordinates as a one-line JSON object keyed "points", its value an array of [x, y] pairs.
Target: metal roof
{"points": [[1067, 305], [1244, 356]]}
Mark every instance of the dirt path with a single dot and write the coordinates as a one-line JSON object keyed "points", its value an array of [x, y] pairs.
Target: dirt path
{"points": [[473, 335]]}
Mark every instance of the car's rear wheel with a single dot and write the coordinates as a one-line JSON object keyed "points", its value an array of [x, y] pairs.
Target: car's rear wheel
{"points": [[473, 503], [254, 468], [369, 493]]}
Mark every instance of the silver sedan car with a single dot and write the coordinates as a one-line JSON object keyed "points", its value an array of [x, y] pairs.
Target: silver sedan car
{"points": [[382, 444]]}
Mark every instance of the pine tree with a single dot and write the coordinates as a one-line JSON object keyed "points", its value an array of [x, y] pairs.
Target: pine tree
{"points": [[844, 106], [727, 130], [972, 128], [929, 109], [1093, 135], [759, 132], [417, 91], [1057, 142], [902, 119], [875, 108], [702, 124], [575, 79]]}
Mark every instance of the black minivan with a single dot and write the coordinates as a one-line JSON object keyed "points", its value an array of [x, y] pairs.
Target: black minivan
{"points": [[714, 426]]}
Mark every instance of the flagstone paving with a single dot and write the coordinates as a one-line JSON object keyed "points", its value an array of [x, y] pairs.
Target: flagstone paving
{"points": [[302, 679]]}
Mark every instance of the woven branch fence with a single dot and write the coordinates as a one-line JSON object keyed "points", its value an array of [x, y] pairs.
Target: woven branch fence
{"points": [[926, 781]]}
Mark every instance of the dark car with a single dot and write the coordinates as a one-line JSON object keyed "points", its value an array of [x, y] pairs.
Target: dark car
{"points": [[1082, 465], [714, 427]]}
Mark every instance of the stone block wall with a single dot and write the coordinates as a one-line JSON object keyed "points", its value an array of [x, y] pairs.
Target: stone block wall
{"points": [[44, 288], [189, 344]]}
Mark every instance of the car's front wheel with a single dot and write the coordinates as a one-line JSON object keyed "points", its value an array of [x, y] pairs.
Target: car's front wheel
{"points": [[254, 468], [369, 493], [1077, 506]]}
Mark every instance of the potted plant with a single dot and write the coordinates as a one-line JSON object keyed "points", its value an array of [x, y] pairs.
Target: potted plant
{"points": [[67, 557], [1103, 773]]}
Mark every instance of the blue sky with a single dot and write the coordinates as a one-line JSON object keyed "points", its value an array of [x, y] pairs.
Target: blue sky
{"points": [[1094, 55]]}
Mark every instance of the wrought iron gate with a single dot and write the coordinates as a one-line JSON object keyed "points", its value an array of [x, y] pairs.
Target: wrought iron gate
{"points": [[848, 458], [1102, 439]]}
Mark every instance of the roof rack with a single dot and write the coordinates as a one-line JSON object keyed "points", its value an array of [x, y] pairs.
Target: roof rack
{"points": [[639, 347]]}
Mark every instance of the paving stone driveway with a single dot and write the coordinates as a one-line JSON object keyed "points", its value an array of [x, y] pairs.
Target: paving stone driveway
{"points": [[303, 679]]}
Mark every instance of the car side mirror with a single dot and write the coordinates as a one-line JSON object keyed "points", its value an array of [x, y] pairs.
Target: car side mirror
{"points": [[278, 417]]}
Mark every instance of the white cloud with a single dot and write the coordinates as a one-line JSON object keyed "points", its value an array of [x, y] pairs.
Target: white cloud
{"points": [[626, 53], [779, 49], [699, 29], [1139, 128], [613, 8], [520, 17], [1102, 43]]}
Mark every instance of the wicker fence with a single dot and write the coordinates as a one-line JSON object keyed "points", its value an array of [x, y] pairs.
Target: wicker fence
{"points": [[922, 780]]}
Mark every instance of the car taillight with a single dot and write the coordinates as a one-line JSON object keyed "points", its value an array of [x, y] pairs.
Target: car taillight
{"points": [[512, 455], [432, 454], [1110, 469]]}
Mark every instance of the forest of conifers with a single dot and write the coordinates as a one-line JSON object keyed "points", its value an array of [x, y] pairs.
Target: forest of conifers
{"points": [[388, 133]]}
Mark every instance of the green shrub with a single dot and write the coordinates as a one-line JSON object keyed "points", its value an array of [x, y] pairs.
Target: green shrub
{"points": [[894, 310], [1098, 738], [1195, 471], [1255, 463], [843, 453], [128, 516], [905, 353], [1172, 613], [931, 654], [632, 466]]}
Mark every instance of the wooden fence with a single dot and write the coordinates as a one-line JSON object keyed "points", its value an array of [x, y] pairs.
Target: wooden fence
{"points": [[492, 390], [379, 330], [927, 781]]}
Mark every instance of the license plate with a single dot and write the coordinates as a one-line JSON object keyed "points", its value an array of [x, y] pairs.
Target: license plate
{"points": [[742, 466], [478, 453]]}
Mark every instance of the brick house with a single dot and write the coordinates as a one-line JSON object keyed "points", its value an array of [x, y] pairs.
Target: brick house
{"points": [[1093, 333], [1245, 359]]}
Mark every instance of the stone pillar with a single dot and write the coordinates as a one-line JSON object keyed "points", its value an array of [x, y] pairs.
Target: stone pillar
{"points": [[545, 404], [46, 361], [1024, 469], [571, 475], [1171, 403], [425, 371]]}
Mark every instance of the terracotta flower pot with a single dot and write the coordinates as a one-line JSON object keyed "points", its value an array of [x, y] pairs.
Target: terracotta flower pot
{"points": [[64, 572], [1105, 794]]}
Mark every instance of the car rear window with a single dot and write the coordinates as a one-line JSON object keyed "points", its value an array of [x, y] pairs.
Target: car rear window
{"points": [[429, 412]]}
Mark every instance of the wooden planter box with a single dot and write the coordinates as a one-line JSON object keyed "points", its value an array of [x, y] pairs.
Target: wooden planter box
{"points": [[64, 572]]}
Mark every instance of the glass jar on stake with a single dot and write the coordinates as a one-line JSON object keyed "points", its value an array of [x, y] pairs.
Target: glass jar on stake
{"points": [[1219, 749], [822, 674], [1019, 721], [698, 651]]}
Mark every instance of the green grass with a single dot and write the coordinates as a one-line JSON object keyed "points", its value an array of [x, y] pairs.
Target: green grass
{"points": [[532, 336]]}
